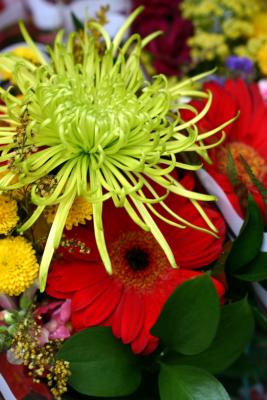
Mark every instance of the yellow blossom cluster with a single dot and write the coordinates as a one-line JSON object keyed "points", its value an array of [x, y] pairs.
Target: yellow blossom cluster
{"points": [[40, 360], [234, 28], [207, 46], [224, 27]]}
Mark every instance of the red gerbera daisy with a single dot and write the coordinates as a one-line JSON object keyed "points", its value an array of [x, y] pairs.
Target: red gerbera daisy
{"points": [[131, 299], [246, 137]]}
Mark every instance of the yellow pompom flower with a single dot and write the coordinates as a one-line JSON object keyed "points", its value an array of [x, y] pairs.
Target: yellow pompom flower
{"points": [[80, 211], [18, 265], [262, 59], [8, 214], [260, 24]]}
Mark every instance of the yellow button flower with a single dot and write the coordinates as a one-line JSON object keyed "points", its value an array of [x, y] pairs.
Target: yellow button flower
{"points": [[80, 211], [262, 59], [18, 265], [260, 24], [8, 214]]}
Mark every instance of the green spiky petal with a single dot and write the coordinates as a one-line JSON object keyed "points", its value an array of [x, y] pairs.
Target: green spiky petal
{"points": [[101, 131]]}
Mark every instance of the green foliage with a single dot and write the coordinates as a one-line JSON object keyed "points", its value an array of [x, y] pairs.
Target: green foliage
{"points": [[231, 170], [100, 364], [78, 25], [234, 333], [219, 265], [5, 338], [189, 319], [189, 383], [260, 318], [198, 338], [245, 260], [256, 270], [25, 302], [247, 245], [185, 371], [258, 184]]}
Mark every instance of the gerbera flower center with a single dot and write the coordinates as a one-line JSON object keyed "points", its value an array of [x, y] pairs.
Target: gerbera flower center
{"points": [[137, 259], [253, 158]]}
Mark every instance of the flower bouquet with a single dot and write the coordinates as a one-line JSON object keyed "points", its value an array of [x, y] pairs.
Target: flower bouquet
{"points": [[118, 278]]}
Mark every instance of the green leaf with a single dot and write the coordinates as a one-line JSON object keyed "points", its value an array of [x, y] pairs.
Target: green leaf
{"points": [[260, 319], [25, 302], [189, 383], [189, 319], [234, 332], [247, 245], [231, 170], [256, 270], [258, 184], [219, 265], [78, 25], [100, 364]]}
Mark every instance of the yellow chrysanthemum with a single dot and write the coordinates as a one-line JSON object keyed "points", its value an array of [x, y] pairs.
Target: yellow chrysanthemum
{"points": [[24, 52], [18, 265], [80, 211], [262, 59], [8, 214]]}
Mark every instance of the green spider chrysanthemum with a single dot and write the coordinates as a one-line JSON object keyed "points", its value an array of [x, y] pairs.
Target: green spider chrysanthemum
{"points": [[98, 129]]}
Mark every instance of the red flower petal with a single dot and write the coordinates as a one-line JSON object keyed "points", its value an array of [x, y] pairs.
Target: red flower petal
{"points": [[127, 325], [101, 308], [20, 383], [86, 296], [77, 275]]}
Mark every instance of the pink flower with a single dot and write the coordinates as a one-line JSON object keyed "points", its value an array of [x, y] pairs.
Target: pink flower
{"points": [[7, 302], [263, 89], [58, 315]]}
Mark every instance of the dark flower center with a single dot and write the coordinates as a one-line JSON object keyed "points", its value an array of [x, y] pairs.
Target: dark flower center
{"points": [[137, 258]]}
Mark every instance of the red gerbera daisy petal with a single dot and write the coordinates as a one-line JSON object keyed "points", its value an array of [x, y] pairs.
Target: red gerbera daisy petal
{"points": [[86, 296], [245, 137], [127, 325], [131, 299], [99, 309]]}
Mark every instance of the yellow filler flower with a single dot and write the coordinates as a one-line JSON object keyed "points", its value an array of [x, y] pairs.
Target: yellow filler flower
{"points": [[18, 265], [96, 128]]}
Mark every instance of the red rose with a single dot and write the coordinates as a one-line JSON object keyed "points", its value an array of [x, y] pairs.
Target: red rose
{"points": [[170, 51]]}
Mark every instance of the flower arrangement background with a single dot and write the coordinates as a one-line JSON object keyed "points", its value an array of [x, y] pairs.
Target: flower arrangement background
{"points": [[118, 277]]}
